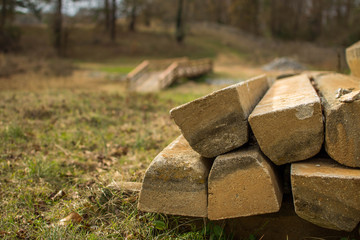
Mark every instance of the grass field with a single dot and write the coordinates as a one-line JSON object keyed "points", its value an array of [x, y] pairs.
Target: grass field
{"points": [[69, 125], [77, 134], [79, 142]]}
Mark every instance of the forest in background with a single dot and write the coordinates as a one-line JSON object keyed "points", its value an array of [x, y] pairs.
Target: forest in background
{"points": [[327, 22]]}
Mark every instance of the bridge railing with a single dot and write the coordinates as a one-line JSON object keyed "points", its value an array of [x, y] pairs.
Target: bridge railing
{"points": [[149, 66], [169, 75], [186, 68], [194, 68], [174, 68], [155, 65], [135, 75]]}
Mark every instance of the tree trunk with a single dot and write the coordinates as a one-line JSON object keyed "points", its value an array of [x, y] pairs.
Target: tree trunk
{"points": [[318, 18], [349, 6], [58, 27], [107, 15], [339, 15], [113, 21], [179, 23], [218, 9], [133, 17], [274, 15], [148, 14], [255, 19], [3, 15], [10, 12], [262, 18]]}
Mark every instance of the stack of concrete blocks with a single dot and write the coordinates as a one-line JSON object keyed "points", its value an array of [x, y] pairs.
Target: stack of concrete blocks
{"points": [[227, 162]]}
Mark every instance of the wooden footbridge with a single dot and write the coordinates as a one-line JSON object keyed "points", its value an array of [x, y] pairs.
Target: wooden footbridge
{"points": [[154, 75]]}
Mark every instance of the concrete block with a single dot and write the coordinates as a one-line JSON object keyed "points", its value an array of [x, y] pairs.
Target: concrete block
{"points": [[217, 123], [353, 58], [176, 182], [342, 117], [243, 183], [326, 193], [288, 121]]}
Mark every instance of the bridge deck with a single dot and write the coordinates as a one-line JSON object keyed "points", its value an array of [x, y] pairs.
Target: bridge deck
{"points": [[154, 76], [149, 82]]}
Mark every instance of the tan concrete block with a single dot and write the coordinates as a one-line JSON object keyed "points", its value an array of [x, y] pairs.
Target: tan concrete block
{"points": [[243, 183], [176, 182], [342, 119], [217, 123], [288, 122], [353, 58], [326, 193]]}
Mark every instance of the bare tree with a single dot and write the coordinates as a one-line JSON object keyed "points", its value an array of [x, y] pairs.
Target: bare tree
{"points": [[132, 22], [57, 28], [113, 21], [244, 14], [180, 34], [148, 12], [133, 8], [107, 15], [316, 17], [3, 14]]}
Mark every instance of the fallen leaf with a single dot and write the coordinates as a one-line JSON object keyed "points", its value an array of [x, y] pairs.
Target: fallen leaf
{"points": [[18, 218], [74, 217], [36, 147], [3, 233], [120, 151], [100, 157], [21, 234], [92, 199], [87, 184], [60, 194], [131, 199], [130, 236]]}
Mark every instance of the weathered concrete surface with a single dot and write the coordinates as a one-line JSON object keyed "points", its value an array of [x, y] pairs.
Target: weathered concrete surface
{"points": [[342, 119], [326, 193], [176, 182], [217, 123], [353, 58], [243, 183], [281, 225], [314, 74], [288, 122]]}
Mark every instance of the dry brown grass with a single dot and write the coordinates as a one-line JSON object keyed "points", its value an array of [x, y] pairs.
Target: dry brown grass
{"points": [[261, 50]]}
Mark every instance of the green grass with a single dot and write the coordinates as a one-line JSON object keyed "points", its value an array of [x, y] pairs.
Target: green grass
{"points": [[119, 69], [79, 142], [74, 141]]}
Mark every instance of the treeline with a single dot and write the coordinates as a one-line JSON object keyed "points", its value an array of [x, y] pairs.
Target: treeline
{"points": [[327, 21], [331, 21]]}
